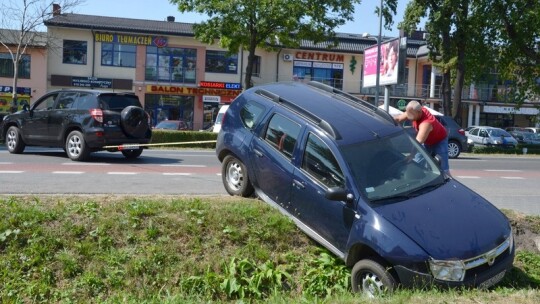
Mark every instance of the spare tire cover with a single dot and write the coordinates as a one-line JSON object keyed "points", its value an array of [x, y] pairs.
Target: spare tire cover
{"points": [[133, 121]]}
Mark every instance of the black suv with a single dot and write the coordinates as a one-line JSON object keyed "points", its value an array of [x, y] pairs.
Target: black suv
{"points": [[81, 122]]}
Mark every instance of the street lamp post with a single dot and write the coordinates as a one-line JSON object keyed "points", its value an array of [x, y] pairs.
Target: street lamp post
{"points": [[377, 79]]}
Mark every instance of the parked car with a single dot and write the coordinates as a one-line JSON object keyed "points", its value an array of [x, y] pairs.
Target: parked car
{"points": [[80, 122], [457, 141], [219, 118], [491, 136], [172, 125], [357, 183], [524, 137], [531, 129]]}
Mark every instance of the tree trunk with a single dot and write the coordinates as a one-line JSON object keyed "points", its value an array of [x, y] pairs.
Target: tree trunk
{"points": [[14, 102], [251, 57]]}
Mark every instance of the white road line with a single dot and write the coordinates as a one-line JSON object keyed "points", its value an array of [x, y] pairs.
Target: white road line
{"points": [[122, 173], [182, 174], [512, 177], [6, 163], [503, 170], [84, 164], [187, 166], [67, 172], [465, 176], [218, 174], [10, 172]]}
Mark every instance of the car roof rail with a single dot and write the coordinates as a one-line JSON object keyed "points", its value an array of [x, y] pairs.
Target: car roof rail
{"points": [[355, 100], [323, 124]]}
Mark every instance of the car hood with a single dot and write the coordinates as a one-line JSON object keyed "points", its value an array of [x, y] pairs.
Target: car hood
{"points": [[449, 222]]}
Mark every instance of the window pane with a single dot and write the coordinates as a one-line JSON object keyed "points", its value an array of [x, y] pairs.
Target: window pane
{"points": [[219, 62], [74, 52], [319, 162], [115, 54]]}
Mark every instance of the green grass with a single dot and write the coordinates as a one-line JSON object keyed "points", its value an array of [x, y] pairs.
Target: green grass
{"points": [[108, 249]]}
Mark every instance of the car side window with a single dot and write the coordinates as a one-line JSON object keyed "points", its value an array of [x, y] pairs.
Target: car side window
{"points": [[483, 133], [66, 100], [319, 162], [45, 104], [282, 134], [85, 101], [474, 132], [250, 114]]}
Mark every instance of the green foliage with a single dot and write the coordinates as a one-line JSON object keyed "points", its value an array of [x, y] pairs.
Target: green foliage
{"points": [[325, 275], [183, 139], [531, 149]]}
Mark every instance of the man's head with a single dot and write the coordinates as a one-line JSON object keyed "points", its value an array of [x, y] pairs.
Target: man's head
{"points": [[413, 110]]}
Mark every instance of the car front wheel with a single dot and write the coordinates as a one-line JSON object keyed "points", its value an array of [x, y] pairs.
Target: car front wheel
{"points": [[235, 177], [14, 142], [454, 149], [76, 148], [371, 278]]}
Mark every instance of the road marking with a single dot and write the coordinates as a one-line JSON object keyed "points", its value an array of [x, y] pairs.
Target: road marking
{"points": [[85, 164], [503, 170], [218, 174], [187, 166], [183, 174], [122, 173], [10, 172], [465, 176], [512, 177], [67, 172], [6, 163]]}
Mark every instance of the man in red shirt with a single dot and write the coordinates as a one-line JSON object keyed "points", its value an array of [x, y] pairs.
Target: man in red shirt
{"points": [[430, 132]]}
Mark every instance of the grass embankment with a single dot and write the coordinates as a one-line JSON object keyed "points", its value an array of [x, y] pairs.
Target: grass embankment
{"points": [[188, 250]]}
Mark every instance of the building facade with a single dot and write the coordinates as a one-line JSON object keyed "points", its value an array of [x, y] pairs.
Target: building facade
{"points": [[178, 77]]}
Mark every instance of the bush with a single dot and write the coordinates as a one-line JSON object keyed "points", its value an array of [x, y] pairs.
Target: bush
{"points": [[531, 149], [183, 139]]}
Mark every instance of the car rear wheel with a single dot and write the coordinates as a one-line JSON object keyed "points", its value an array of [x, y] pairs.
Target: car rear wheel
{"points": [[372, 278], [235, 177], [454, 149], [76, 148], [133, 121], [14, 142], [130, 154]]}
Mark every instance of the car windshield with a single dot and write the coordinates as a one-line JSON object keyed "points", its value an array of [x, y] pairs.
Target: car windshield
{"points": [[392, 168], [113, 102], [167, 125]]}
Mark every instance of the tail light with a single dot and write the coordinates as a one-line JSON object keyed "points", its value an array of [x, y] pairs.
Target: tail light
{"points": [[461, 131], [97, 115]]}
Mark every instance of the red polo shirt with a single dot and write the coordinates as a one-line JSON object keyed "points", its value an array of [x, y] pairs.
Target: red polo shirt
{"points": [[439, 131]]}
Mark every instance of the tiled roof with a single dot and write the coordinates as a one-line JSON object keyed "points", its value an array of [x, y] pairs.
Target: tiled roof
{"points": [[348, 43], [121, 24], [34, 39]]}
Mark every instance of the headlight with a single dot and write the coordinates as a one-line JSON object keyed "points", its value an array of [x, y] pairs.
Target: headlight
{"points": [[497, 142], [447, 270]]}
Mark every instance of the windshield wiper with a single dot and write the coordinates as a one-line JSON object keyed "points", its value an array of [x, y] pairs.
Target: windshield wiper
{"points": [[426, 189], [393, 199]]}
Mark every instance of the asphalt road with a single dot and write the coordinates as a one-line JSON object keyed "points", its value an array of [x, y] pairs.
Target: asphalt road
{"points": [[509, 182]]}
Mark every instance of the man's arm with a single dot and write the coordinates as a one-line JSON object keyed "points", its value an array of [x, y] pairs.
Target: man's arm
{"points": [[423, 132], [400, 118]]}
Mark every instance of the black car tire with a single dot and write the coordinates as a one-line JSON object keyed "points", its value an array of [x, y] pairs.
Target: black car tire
{"points": [[235, 177], [134, 122], [131, 154], [76, 148], [454, 149], [14, 141], [372, 278]]}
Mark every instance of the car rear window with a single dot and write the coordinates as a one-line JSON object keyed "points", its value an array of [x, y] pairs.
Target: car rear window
{"points": [[114, 102]]}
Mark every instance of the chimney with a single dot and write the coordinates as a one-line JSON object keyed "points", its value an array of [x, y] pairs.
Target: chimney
{"points": [[170, 18], [56, 9]]}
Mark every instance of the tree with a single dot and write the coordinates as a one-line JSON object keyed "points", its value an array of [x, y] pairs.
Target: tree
{"points": [[25, 18], [468, 38], [248, 24]]}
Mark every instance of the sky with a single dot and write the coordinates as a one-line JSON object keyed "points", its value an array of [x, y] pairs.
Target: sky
{"points": [[365, 19]]}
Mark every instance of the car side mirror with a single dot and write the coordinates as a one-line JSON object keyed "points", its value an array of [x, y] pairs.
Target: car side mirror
{"points": [[339, 194]]}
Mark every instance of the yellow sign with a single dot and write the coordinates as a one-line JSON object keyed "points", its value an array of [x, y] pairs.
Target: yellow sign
{"points": [[190, 91]]}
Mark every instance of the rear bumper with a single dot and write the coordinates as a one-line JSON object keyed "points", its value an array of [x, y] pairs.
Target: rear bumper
{"points": [[96, 141]]}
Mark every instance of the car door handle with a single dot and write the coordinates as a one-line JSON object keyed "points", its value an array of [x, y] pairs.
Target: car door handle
{"points": [[258, 153], [298, 184]]}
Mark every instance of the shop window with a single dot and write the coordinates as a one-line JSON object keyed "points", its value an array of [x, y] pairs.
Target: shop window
{"points": [[74, 52], [221, 62], [120, 55], [171, 64], [256, 69], [6, 66]]}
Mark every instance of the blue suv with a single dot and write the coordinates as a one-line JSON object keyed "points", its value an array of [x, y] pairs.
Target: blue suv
{"points": [[355, 182]]}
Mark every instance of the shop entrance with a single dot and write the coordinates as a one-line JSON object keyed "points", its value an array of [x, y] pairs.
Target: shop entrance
{"points": [[170, 107]]}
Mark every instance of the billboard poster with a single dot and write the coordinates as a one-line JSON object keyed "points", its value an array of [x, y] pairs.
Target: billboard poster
{"points": [[389, 64]]}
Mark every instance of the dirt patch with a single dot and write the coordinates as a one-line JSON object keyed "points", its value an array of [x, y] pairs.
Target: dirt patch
{"points": [[526, 232]]}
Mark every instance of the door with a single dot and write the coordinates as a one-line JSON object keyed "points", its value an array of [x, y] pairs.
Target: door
{"points": [[59, 116], [35, 127], [319, 171], [272, 158]]}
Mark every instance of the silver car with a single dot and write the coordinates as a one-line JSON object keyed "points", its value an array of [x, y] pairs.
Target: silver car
{"points": [[491, 136]]}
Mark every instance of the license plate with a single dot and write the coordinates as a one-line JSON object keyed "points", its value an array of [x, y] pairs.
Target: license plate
{"points": [[492, 281], [130, 147]]}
